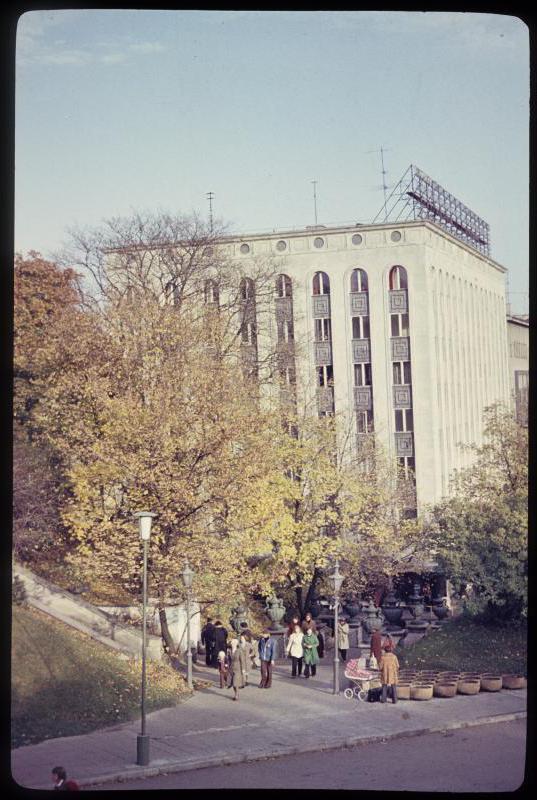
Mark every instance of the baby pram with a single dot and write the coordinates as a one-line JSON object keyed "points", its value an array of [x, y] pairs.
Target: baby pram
{"points": [[363, 679]]}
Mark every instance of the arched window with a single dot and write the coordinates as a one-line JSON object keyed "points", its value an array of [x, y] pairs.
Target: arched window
{"points": [[284, 287], [246, 288], [398, 278], [359, 281], [211, 292], [321, 283]]}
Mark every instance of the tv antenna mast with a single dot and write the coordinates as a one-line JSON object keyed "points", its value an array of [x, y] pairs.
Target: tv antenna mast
{"points": [[315, 199], [209, 197], [384, 186]]}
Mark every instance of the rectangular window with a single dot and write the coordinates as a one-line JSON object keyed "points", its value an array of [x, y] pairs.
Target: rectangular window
{"points": [[362, 374], [364, 421], [325, 375], [399, 420], [323, 330], [404, 325], [409, 419], [396, 373], [395, 324], [406, 372], [365, 328]]}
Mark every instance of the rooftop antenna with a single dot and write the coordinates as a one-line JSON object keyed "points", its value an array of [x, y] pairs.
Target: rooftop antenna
{"points": [[315, 199], [385, 186], [210, 196]]}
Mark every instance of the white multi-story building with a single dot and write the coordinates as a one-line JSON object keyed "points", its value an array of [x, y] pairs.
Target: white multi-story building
{"points": [[403, 331], [518, 334]]}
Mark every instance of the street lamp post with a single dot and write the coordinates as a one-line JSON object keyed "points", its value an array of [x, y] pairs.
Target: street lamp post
{"points": [[145, 519], [188, 574], [338, 580]]}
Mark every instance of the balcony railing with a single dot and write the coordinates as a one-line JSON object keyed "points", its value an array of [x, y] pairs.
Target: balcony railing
{"points": [[402, 397], [320, 305], [359, 303], [404, 445], [361, 350], [322, 353], [398, 301], [400, 346], [363, 398], [325, 399], [284, 307]]}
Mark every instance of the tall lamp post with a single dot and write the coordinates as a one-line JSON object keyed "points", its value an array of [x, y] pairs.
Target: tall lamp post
{"points": [[188, 574], [338, 580], [145, 520]]}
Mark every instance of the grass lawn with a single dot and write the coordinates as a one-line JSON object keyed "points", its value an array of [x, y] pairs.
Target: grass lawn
{"points": [[65, 683], [464, 644]]}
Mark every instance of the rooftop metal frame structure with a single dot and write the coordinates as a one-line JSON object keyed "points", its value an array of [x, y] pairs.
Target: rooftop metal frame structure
{"points": [[417, 196]]}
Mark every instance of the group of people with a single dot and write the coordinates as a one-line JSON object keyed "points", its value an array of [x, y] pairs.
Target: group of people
{"points": [[236, 654]]}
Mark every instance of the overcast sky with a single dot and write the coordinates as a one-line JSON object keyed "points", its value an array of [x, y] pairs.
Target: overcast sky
{"points": [[117, 110]]}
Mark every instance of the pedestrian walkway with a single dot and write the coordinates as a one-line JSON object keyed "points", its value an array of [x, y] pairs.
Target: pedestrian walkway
{"points": [[295, 715]]}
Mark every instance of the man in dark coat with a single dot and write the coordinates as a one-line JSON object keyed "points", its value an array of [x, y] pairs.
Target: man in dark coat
{"points": [[220, 641], [376, 645], [208, 639]]}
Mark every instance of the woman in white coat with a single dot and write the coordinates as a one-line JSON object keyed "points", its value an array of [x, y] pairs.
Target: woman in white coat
{"points": [[343, 638], [296, 651]]}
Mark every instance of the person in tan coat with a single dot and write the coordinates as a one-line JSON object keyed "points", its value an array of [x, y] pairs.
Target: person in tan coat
{"points": [[389, 673]]}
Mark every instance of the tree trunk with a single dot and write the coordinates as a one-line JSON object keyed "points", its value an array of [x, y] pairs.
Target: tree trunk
{"points": [[299, 601], [165, 631], [311, 589]]}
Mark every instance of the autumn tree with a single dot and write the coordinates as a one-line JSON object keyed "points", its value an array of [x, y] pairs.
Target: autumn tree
{"points": [[44, 297], [149, 406], [481, 531], [326, 499]]}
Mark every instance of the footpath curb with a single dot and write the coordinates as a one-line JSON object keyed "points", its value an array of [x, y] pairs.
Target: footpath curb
{"points": [[165, 767]]}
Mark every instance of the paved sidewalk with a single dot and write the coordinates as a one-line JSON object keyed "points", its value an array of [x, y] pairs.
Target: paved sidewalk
{"points": [[293, 716]]}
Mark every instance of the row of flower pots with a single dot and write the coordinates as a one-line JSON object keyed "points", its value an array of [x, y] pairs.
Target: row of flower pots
{"points": [[424, 684]]}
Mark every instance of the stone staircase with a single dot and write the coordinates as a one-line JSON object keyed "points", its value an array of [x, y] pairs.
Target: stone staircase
{"points": [[84, 617]]}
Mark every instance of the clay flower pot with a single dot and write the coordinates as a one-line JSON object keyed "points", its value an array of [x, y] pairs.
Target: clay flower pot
{"points": [[445, 689], [421, 691], [403, 691], [514, 682], [491, 683], [468, 686]]}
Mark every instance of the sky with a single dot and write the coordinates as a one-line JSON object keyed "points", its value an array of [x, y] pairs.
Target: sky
{"points": [[150, 110]]}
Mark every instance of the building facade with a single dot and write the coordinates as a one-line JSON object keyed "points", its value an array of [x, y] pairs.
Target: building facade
{"points": [[518, 334], [400, 328]]}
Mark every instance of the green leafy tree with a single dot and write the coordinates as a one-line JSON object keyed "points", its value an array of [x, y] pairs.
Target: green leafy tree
{"points": [[481, 532]]}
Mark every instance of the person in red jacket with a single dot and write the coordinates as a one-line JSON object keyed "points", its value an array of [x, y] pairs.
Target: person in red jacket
{"points": [[61, 784]]}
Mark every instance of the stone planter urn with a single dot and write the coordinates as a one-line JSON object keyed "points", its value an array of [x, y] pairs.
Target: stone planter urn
{"points": [[373, 618], [391, 609], [415, 601], [238, 615], [440, 609], [353, 608], [275, 609]]}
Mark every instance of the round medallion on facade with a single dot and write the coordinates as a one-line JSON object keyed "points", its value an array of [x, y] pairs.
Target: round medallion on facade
{"points": [[395, 236], [245, 248], [281, 245], [357, 239], [318, 241]]}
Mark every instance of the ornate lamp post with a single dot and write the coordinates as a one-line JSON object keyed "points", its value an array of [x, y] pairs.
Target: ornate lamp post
{"points": [[338, 580], [187, 575], [145, 520]]}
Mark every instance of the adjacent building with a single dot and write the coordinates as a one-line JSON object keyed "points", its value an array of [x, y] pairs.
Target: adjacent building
{"points": [[518, 343]]}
